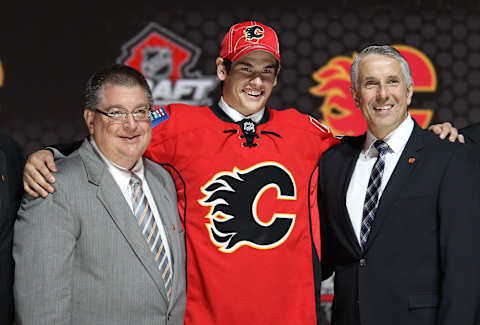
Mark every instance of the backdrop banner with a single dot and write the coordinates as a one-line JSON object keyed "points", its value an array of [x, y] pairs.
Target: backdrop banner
{"points": [[47, 54]]}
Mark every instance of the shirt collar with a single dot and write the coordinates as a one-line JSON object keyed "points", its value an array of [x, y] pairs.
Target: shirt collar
{"points": [[236, 116], [120, 174], [396, 140]]}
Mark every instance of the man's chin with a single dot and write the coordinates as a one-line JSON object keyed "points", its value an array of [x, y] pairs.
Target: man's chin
{"points": [[132, 152], [253, 108]]}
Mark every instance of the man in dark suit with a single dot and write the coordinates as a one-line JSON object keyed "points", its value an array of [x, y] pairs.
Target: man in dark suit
{"points": [[11, 189], [400, 211]]}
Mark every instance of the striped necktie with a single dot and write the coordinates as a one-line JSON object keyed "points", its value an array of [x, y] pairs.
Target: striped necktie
{"points": [[373, 191], [148, 225]]}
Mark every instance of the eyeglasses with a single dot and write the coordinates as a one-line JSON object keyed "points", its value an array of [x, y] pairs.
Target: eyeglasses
{"points": [[118, 115]]}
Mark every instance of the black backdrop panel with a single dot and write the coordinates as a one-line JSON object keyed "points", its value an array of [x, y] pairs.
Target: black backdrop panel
{"points": [[47, 54]]}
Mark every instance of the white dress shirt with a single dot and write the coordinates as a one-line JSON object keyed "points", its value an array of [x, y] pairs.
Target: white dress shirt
{"points": [[236, 116], [357, 189], [122, 178]]}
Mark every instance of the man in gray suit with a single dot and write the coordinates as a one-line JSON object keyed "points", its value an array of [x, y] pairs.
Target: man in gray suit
{"points": [[108, 246]]}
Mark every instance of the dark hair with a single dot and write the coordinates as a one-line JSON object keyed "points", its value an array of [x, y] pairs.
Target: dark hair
{"points": [[116, 74], [227, 64]]}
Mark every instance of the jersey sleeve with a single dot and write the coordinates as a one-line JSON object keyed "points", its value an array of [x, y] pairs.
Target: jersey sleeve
{"points": [[327, 139], [162, 148]]}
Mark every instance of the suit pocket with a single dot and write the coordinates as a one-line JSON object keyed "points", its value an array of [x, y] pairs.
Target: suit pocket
{"points": [[423, 301]]}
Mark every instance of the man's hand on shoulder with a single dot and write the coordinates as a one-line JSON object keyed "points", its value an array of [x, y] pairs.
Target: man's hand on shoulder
{"points": [[447, 129], [37, 173]]}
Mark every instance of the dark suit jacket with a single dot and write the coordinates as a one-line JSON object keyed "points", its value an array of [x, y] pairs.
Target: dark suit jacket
{"points": [[472, 133], [11, 169], [421, 263]]}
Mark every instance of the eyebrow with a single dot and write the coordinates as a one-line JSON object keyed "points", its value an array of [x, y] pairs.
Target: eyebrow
{"points": [[368, 78], [123, 107], [244, 63], [270, 66]]}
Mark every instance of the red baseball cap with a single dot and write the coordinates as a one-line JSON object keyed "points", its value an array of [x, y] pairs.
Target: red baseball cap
{"points": [[245, 37]]}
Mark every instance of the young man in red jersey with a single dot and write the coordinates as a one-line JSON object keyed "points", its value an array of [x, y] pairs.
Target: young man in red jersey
{"points": [[246, 185]]}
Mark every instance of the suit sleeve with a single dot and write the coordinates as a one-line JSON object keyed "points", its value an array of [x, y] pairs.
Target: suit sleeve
{"points": [[43, 250], [459, 212], [64, 149], [13, 161], [471, 133]]}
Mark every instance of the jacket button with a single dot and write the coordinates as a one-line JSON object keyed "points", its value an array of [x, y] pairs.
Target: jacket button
{"points": [[363, 262]]}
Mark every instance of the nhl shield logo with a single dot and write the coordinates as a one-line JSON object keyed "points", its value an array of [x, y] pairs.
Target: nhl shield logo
{"points": [[167, 61]]}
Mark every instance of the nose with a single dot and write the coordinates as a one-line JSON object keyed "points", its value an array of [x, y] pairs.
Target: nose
{"points": [[382, 92], [256, 79], [130, 122]]}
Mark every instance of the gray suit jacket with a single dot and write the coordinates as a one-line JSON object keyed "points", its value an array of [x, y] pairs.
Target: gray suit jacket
{"points": [[81, 258]]}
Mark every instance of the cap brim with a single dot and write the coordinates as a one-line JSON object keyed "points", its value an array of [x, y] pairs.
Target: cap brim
{"points": [[249, 49]]}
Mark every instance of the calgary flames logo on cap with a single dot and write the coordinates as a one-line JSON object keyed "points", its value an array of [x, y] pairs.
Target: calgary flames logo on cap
{"points": [[338, 108], [254, 32]]}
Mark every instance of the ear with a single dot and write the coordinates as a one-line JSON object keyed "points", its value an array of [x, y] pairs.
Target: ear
{"points": [[221, 71], [355, 97], [89, 116], [409, 94]]}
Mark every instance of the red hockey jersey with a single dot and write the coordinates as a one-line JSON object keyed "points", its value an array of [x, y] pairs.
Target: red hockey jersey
{"points": [[248, 206]]}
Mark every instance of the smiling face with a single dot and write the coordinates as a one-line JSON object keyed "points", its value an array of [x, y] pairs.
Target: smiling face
{"points": [[122, 143], [382, 96], [249, 83]]}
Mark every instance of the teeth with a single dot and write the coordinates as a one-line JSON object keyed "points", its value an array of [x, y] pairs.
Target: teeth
{"points": [[383, 108], [253, 93]]}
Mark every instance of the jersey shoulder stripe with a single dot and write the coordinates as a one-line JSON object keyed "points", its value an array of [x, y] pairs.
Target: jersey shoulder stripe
{"points": [[319, 125], [158, 115]]}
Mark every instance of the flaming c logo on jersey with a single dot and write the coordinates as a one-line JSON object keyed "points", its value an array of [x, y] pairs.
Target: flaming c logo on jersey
{"points": [[339, 110], [236, 218]]}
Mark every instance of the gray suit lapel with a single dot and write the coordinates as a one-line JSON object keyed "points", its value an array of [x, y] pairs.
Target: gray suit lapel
{"points": [[113, 200], [409, 159]]}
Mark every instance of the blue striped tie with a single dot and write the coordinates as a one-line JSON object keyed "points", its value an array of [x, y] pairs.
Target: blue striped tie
{"points": [[373, 191], [148, 225]]}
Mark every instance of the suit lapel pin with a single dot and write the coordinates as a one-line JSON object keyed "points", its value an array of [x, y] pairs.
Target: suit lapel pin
{"points": [[173, 227], [411, 160]]}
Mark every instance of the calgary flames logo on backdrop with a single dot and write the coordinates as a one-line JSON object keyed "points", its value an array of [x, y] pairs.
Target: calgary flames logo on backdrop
{"points": [[234, 199], [339, 110], [167, 60]]}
